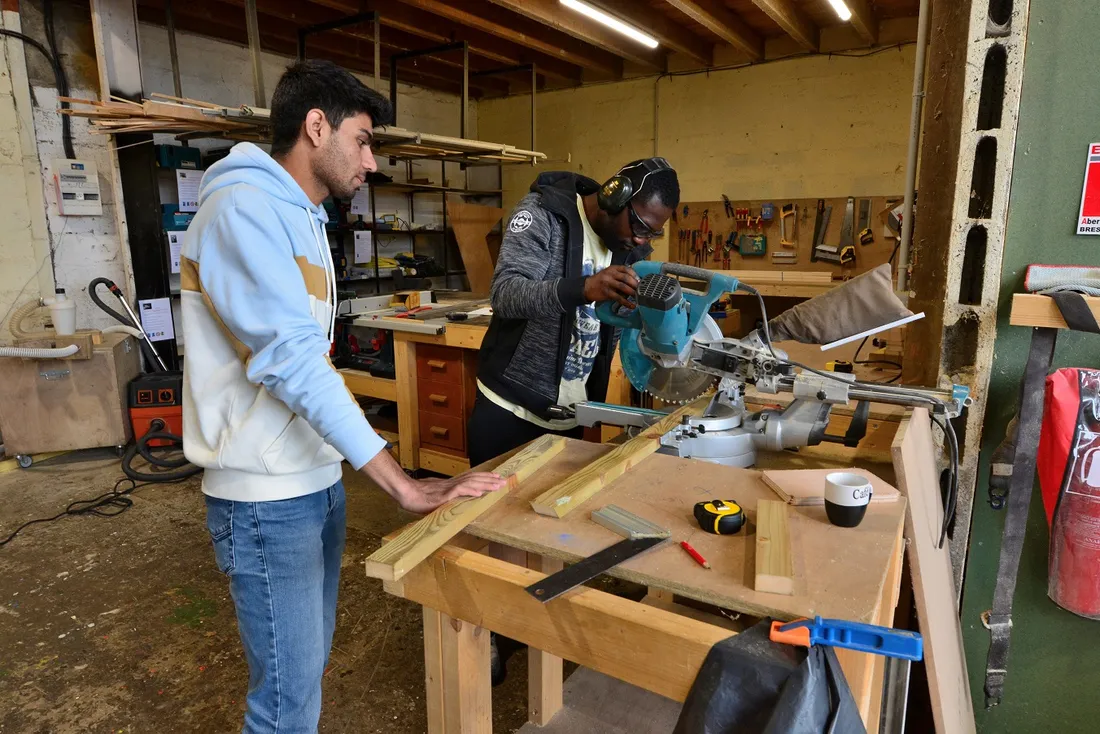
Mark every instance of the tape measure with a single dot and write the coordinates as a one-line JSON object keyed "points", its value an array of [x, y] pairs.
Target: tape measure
{"points": [[721, 517], [839, 365]]}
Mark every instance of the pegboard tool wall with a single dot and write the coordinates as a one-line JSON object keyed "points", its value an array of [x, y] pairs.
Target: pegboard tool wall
{"points": [[720, 226]]}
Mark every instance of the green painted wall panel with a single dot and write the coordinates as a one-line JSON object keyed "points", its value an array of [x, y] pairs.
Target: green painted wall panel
{"points": [[1054, 669]]}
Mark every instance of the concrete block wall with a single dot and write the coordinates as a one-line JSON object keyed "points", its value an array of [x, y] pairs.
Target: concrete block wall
{"points": [[807, 127]]}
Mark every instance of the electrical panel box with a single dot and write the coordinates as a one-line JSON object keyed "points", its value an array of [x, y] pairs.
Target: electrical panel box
{"points": [[77, 184]]}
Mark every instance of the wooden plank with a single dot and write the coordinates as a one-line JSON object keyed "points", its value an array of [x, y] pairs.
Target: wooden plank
{"points": [[648, 647], [807, 486], [467, 690], [664, 489], [366, 385], [582, 486], [1032, 309], [792, 20], [544, 670], [774, 568], [915, 462], [464, 336], [420, 539], [724, 23], [408, 425], [433, 670], [446, 464], [471, 224]]}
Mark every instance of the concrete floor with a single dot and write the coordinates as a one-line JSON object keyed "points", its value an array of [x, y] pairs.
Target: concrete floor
{"points": [[124, 624]]}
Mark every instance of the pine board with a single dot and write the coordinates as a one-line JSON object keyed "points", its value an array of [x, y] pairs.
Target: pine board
{"points": [[774, 570], [570, 494], [423, 537], [471, 224], [933, 581]]}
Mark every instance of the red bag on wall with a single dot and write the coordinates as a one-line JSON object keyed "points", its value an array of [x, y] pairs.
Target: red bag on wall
{"points": [[1069, 477]]}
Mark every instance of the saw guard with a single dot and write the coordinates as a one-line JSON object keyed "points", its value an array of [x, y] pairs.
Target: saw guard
{"points": [[677, 384]]}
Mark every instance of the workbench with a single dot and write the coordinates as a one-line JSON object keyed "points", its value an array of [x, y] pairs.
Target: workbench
{"points": [[411, 371], [657, 644]]}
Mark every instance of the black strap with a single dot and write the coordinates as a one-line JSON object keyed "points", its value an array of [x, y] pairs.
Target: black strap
{"points": [[999, 620], [1075, 310]]}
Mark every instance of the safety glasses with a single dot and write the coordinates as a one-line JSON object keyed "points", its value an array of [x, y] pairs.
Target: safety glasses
{"points": [[639, 228]]}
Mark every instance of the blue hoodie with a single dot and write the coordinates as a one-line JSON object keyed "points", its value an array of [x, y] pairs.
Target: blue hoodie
{"points": [[264, 411]]}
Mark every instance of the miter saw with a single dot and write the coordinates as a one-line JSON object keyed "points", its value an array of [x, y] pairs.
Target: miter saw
{"points": [[673, 349]]}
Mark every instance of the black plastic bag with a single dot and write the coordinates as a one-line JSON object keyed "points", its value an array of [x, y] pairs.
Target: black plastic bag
{"points": [[751, 685]]}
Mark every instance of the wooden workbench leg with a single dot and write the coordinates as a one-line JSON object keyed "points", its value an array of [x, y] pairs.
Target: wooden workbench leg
{"points": [[467, 690], [408, 418], [544, 671], [433, 670], [864, 671]]}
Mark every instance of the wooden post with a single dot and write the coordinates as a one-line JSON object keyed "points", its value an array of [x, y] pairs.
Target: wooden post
{"points": [[544, 671], [467, 690], [408, 421], [433, 670]]}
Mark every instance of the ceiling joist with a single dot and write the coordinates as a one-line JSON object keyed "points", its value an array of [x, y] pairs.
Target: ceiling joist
{"points": [[660, 26], [724, 23], [864, 20], [792, 20], [552, 14], [437, 30], [532, 36]]}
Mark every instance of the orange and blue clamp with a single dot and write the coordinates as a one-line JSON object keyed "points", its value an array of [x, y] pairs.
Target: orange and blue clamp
{"points": [[851, 635]]}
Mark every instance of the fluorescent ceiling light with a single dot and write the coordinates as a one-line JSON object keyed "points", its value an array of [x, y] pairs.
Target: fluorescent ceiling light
{"points": [[841, 9], [611, 22]]}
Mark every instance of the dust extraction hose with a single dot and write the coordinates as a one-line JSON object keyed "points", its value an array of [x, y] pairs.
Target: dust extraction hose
{"points": [[40, 353], [141, 446]]}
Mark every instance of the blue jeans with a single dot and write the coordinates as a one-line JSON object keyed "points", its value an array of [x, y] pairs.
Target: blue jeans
{"points": [[283, 563]]}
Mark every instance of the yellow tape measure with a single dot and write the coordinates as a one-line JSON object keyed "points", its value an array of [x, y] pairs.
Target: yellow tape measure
{"points": [[721, 517]]}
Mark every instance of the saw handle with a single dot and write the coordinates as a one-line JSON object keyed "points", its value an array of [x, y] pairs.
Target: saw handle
{"points": [[688, 271]]}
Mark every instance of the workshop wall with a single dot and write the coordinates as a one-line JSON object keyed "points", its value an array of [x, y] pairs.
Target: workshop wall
{"points": [[810, 127], [85, 247], [1050, 684], [25, 271]]}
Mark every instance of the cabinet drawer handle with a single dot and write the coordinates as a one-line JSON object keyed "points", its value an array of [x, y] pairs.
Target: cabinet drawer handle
{"points": [[437, 364], [439, 432], [438, 399]]}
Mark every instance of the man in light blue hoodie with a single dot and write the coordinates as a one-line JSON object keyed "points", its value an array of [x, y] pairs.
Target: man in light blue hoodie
{"points": [[264, 411]]}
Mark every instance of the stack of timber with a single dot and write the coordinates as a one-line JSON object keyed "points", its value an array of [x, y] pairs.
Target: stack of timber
{"points": [[191, 118]]}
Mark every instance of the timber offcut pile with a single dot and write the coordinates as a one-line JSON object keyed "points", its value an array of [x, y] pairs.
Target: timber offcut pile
{"points": [[191, 118]]}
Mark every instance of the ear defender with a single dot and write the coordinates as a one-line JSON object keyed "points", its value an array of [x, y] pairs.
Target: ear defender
{"points": [[617, 192]]}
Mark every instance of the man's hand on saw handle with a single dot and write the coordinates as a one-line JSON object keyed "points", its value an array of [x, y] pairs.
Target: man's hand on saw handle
{"points": [[426, 495], [613, 283]]}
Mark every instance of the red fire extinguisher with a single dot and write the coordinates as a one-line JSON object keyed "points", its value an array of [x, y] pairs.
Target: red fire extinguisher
{"points": [[1069, 476]]}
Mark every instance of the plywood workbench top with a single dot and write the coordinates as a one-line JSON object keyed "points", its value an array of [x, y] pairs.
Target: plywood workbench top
{"points": [[839, 572]]}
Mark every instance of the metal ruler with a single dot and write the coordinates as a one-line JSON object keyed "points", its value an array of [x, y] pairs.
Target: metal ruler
{"points": [[558, 583]]}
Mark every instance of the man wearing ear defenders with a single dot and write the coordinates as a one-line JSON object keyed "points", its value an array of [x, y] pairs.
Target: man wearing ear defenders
{"points": [[568, 245]]}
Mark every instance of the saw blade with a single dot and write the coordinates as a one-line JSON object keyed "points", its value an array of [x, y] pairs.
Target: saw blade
{"points": [[678, 384]]}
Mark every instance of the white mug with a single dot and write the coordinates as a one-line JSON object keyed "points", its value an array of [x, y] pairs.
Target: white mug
{"points": [[846, 498]]}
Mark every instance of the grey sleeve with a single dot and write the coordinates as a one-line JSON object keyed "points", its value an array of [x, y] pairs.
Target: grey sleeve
{"points": [[533, 239]]}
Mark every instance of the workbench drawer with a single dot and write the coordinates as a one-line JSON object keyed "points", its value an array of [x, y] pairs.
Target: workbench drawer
{"points": [[441, 364], [444, 398], [445, 431]]}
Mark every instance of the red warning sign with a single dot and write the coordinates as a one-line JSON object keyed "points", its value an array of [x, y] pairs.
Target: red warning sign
{"points": [[1089, 220]]}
